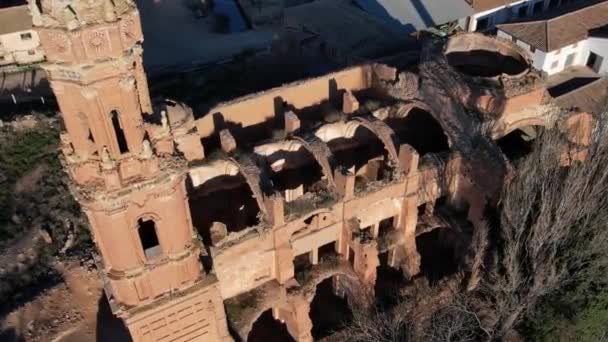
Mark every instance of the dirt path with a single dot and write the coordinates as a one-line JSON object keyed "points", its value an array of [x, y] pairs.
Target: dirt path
{"points": [[66, 312]]}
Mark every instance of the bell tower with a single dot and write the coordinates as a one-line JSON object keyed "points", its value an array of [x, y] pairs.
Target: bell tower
{"points": [[126, 175]]}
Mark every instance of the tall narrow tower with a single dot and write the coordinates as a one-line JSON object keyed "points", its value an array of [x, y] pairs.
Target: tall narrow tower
{"points": [[125, 173]]}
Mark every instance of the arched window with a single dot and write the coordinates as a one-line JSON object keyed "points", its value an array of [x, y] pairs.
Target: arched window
{"points": [[148, 238], [120, 134]]}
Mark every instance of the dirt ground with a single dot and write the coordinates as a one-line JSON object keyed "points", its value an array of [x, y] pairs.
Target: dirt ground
{"points": [[73, 311]]}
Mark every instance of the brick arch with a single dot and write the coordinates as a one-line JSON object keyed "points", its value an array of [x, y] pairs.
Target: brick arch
{"points": [[510, 127], [258, 182], [381, 130], [324, 271], [273, 298], [321, 152], [404, 110], [246, 167], [147, 215]]}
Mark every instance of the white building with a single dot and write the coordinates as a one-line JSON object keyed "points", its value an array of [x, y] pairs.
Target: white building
{"points": [[489, 13], [19, 43], [575, 38]]}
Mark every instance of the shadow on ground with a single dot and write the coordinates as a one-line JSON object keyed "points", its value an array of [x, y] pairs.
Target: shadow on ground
{"points": [[109, 327]]}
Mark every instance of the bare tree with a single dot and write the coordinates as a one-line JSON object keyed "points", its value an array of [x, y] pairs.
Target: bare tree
{"points": [[553, 228]]}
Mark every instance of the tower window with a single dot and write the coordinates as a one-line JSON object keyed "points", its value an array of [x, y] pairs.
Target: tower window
{"points": [[26, 36], [148, 238], [120, 134]]}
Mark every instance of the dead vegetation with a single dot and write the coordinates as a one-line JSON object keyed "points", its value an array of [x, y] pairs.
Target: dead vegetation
{"points": [[547, 236]]}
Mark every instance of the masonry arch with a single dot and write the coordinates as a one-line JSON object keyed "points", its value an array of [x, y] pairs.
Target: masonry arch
{"points": [[414, 125], [294, 168], [364, 146], [267, 328], [332, 302], [147, 231], [519, 139], [504, 127], [226, 192]]}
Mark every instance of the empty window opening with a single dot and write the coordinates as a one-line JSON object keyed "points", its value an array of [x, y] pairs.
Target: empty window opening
{"points": [[482, 24], [301, 267], [148, 238], [594, 61], [25, 36], [328, 312], [327, 251], [267, 328], [386, 226], [120, 134], [421, 131], [226, 199], [518, 143]]}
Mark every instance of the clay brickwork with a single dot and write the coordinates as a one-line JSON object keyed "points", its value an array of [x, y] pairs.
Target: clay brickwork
{"points": [[206, 220]]}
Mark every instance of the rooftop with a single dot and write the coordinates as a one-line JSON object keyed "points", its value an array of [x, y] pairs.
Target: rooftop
{"points": [[579, 87], [409, 16], [557, 29], [15, 19]]}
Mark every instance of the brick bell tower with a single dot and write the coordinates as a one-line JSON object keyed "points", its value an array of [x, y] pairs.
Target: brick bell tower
{"points": [[125, 174]]}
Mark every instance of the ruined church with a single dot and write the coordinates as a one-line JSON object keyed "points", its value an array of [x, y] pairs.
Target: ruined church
{"points": [[203, 222]]}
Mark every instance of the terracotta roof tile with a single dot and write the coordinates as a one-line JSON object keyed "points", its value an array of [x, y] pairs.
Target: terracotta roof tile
{"points": [[590, 98], [555, 32]]}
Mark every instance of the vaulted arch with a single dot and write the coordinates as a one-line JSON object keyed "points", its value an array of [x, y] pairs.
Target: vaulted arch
{"points": [[226, 192]]}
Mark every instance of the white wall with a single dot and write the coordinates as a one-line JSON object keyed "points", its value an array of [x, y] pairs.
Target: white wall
{"points": [[502, 14], [18, 50], [555, 61]]}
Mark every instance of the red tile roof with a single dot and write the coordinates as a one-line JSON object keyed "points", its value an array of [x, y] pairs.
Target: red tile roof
{"points": [[559, 31]]}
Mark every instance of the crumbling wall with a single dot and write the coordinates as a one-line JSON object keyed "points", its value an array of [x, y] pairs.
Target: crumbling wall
{"points": [[260, 107]]}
